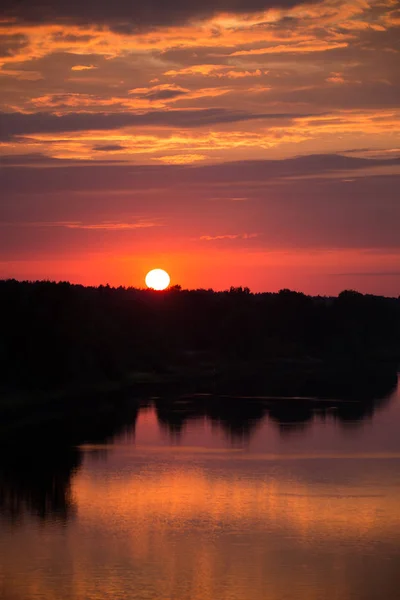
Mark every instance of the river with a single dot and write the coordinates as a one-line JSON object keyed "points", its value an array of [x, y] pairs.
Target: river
{"points": [[182, 506]]}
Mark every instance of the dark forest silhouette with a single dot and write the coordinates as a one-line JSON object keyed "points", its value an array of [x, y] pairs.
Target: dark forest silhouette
{"points": [[57, 335]]}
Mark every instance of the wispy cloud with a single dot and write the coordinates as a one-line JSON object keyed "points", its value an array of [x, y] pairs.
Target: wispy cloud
{"points": [[218, 71], [113, 226], [235, 236], [306, 47], [18, 123], [106, 225], [181, 159], [109, 148], [83, 67]]}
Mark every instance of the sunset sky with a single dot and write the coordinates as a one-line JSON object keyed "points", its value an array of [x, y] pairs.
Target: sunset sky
{"points": [[230, 142]]}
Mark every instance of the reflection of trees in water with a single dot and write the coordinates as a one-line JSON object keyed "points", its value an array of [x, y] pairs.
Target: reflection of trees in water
{"points": [[349, 414], [38, 482], [291, 415], [36, 475], [239, 417], [173, 416], [235, 416], [240, 422]]}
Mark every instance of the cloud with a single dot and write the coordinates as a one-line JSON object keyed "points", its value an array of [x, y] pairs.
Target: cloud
{"points": [[218, 71], [181, 159], [20, 124], [235, 236], [335, 78], [10, 43], [38, 159], [159, 92], [109, 148], [125, 16], [32, 158], [107, 226], [375, 152], [138, 99], [93, 176], [222, 26], [300, 47], [373, 94], [83, 67]]}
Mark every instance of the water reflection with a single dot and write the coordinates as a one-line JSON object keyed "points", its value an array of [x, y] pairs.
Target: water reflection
{"points": [[38, 483], [239, 417], [229, 508], [37, 480], [36, 470]]}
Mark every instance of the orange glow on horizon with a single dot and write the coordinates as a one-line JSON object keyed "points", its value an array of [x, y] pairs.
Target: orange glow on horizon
{"points": [[311, 272]]}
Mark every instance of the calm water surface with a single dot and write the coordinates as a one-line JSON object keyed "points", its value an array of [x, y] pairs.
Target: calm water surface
{"points": [[206, 509]]}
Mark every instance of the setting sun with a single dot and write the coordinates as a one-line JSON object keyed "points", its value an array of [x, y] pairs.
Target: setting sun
{"points": [[157, 279]]}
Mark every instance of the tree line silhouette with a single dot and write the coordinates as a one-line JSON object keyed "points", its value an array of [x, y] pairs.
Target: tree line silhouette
{"points": [[59, 334]]}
